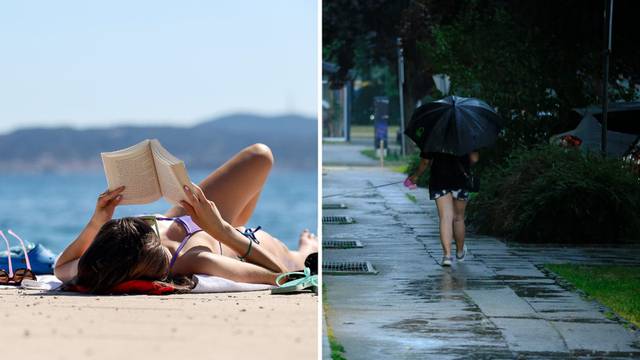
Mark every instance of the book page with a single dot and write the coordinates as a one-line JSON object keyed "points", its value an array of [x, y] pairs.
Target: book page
{"points": [[172, 174], [172, 178], [134, 168]]}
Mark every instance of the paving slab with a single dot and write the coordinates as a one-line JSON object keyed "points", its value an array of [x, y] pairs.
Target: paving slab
{"points": [[502, 302], [531, 335], [498, 304], [597, 337], [345, 153]]}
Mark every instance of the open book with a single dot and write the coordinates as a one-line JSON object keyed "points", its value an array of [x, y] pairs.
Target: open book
{"points": [[148, 172]]}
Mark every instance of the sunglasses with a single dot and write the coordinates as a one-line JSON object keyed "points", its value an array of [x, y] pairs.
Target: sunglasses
{"points": [[11, 277], [151, 221]]}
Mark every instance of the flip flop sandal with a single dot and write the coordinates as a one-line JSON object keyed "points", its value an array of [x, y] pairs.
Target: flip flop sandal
{"points": [[302, 284]]}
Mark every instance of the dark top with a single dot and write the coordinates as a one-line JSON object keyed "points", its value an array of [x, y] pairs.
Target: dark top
{"points": [[447, 171]]}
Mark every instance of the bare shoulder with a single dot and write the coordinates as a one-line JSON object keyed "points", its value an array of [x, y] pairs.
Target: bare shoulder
{"points": [[197, 260]]}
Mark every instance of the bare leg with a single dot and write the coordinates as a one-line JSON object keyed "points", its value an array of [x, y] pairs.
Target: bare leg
{"points": [[236, 185], [294, 260], [235, 188], [446, 214], [458, 224], [246, 213]]}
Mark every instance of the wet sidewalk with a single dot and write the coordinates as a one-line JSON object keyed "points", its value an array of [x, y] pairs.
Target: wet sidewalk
{"points": [[498, 304], [346, 154]]}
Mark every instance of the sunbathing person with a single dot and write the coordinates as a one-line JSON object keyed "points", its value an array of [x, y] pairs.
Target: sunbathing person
{"points": [[205, 235]]}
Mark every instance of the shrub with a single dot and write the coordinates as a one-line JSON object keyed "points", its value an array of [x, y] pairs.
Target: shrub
{"points": [[551, 194], [412, 166]]}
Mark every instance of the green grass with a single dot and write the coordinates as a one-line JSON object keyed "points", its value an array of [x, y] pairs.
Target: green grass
{"points": [[366, 131], [337, 350], [617, 287], [411, 197], [372, 153], [393, 160], [402, 169]]}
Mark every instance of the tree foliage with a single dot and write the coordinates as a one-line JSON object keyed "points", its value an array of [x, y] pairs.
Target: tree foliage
{"points": [[533, 59]]}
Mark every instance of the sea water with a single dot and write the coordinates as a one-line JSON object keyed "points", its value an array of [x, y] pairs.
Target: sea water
{"points": [[52, 209]]}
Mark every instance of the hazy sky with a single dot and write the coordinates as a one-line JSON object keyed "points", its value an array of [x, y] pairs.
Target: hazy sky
{"points": [[90, 63]]}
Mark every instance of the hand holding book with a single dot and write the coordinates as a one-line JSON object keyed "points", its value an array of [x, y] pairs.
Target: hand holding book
{"points": [[203, 211], [148, 171], [106, 205]]}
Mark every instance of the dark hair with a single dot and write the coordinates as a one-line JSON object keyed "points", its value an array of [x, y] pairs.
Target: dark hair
{"points": [[124, 249]]}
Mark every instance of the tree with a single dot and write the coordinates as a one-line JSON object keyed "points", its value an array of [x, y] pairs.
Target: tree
{"points": [[534, 60], [360, 34]]}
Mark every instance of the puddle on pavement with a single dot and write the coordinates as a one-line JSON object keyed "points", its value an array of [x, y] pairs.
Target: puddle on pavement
{"points": [[537, 292], [470, 332], [518, 278], [445, 286]]}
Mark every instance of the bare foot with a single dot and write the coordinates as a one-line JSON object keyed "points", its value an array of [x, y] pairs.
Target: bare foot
{"points": [[308, 243]]}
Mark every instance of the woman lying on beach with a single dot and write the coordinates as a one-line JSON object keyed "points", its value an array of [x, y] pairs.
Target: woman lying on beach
{"points": [[205, 235]]}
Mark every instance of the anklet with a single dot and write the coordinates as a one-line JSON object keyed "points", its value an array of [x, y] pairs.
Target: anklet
{"points": [[251, 235]]}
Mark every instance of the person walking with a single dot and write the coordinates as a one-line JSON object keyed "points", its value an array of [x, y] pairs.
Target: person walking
{"points": [[448, 186], [449, 133]]}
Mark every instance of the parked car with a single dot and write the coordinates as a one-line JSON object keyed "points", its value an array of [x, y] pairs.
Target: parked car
{"points": [[623, 129]]}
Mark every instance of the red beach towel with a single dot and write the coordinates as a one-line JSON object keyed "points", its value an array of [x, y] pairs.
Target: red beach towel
{"points": [[133, 287]]}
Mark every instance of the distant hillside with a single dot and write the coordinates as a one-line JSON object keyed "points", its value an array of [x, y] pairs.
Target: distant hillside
{"points": [[293, 140]]}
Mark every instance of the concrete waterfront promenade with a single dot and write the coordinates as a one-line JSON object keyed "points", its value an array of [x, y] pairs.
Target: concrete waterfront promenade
{"points": [[496, 305], [250, 325]]}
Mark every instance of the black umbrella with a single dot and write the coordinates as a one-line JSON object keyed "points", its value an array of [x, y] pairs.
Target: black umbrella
{"points": [[454, 125]]}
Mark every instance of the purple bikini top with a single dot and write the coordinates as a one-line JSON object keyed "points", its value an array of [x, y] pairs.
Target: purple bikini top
{"points": [[191, 228]]}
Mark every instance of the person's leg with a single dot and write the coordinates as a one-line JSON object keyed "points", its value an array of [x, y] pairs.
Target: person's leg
{"points": [[236, 185], [459, 207], [294, 260], [446, 214]]}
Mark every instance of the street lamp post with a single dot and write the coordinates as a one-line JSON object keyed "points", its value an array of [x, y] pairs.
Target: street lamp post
{"points": [[401, 92], [608, 20]]}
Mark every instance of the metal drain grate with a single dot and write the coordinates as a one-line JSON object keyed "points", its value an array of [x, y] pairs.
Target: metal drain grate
{"points": [[333, 206], [348, 268], [341, 244], [337, 220]]}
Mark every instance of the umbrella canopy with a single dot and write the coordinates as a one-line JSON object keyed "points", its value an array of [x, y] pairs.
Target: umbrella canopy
{"points": [[454, 125]]}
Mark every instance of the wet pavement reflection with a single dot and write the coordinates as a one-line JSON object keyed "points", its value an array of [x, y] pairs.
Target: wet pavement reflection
{"points": [[496, 305]]}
